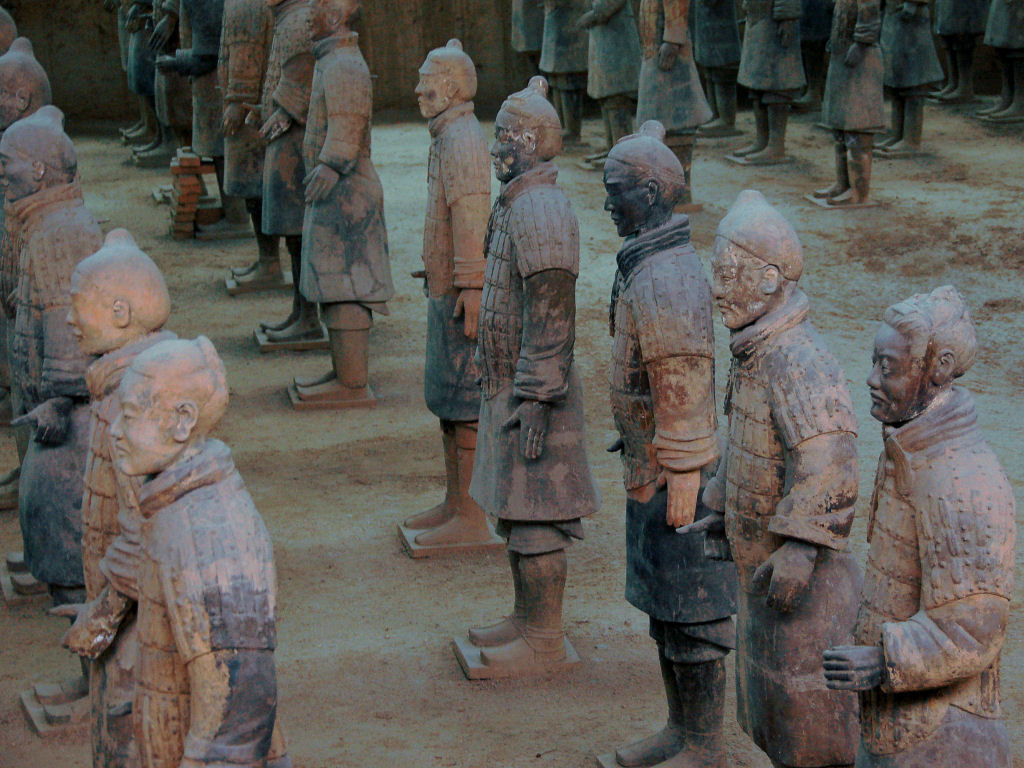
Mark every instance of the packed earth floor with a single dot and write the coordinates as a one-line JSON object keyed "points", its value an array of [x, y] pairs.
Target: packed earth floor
{"points": [[366, 676]]}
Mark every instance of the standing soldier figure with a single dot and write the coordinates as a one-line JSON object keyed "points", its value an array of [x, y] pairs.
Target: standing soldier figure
{"points": [[531, 470], [458, 201], [563, 60], [784, 495], [663, 402]]}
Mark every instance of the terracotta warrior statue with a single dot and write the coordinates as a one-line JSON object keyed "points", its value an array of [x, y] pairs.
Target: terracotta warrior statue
{"points": [[939, 579], [244, 44], [8, 31], [815, 30], [663, 403], [613, 69], [24, 88], [283, 109], [911, 68], [141, 72], [45, 205], [784, 495], [670, 90], [716, 50], [528, 31], [771, 68], [458, 203], [172, 89], [198, 62], [854, 108], [531, 471], [563, 60], [206, 689], [959, 23], [1005, 33], [345, 264], [119, 304]]}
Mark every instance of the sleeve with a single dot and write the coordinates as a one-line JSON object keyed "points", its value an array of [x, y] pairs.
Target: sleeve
{"points": [[869, 22], [466, 175], [233, 708], [605, 9], [64, 365], [549, 334], [939, 646], [677, 14], [349, 105], [244, 53], [786, 10], [682, 388], [293, 89]]}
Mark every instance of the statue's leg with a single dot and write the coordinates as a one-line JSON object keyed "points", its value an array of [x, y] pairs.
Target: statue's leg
{"points": [[303, 322], [511, 627], [760, 127], [443, 512], [1006, 92], [671, 739], [842, 183], [348, 328]]}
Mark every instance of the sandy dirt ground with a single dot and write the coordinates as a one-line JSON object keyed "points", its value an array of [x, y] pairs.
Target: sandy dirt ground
{"points": [[366, 675]]}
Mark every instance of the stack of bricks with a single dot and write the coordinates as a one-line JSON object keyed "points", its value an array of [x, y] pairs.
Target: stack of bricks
{"points": [[188, 207]]}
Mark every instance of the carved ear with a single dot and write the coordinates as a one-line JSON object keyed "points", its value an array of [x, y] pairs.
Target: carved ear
{"points": [[186, 414], [653, 191], [38, 170], [943, 368], [529, 139], [22, 100], [769, 280], [122, 312]]}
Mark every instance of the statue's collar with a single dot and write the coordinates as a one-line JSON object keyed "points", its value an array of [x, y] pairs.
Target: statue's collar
{"points": [[105, 373], [34, 205], [330, 44], [542, 174], [210, 465], [635, 249], [437, 124], [746, 341]]}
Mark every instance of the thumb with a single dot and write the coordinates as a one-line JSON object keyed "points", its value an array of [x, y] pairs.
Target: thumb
{"points": [[662, 480], [70, 610], [460, 307], [511, 421], [704, 524], [762, 576], [27, 419]]}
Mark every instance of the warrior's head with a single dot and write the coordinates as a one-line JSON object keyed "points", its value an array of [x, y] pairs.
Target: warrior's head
{"points": [[24, 86], [8, 31], [171, 397], [756, 263], [922, 345], [527, 131], [329, 17], [643, 180], [447, 79], [35, 154], [118, 295]]}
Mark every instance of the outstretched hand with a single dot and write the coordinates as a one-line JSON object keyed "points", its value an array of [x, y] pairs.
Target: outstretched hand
{"points": [[532, 419], [854, 55], [467, 306], [162, 33], [667, 55], [319, 183], [854, 667], [716, 544], [276, 126], [51, 420], [683, 490]]}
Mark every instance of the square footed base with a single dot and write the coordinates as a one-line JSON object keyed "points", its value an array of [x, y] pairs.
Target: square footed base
{"points": [[328, 405], [235, 288], [469, 659], [607, 761], [822, 202], [407, 537], [13, 598], [71, 717], [744, 161], [304, 345]]}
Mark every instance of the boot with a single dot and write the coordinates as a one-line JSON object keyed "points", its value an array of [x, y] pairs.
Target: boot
{"points": [[859, 164], [572, 107], [265, 272], [913, 124], [1014, 113], [898, 107], [842, 172], [443, 512], [469, 525], [952, 71], [702, 699], [346, 384], [775, 151], [302, 323], [670, 739], [158, 154], [236, 219], [1005, 94], [542, 641], [145, 129], [964, 91], [511, 627], [725, 123], [761, 130]]}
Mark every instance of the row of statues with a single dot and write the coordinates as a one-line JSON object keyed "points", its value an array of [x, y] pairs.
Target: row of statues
{"points": [[139, 523]]}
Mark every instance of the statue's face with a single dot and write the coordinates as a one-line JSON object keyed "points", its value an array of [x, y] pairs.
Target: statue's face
{"points": [[328, 16], [12, 102], [629, 201], [897, 379], [739, 284], [93, 319], [148, 432], [19, 176], [512, 152], [432, 93]]}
